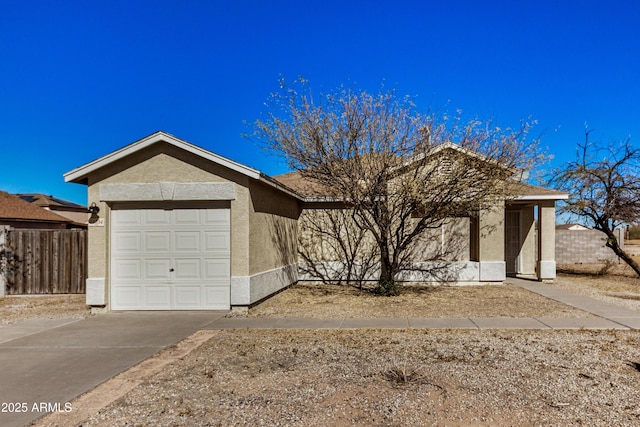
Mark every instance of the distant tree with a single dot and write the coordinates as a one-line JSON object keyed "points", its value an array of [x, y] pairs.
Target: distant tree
{"points": [[604, 189], [391, 166]]}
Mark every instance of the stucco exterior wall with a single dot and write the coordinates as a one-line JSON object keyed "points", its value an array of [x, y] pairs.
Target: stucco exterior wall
{"points": [[273, 228], [491, 243], [442, 252]]}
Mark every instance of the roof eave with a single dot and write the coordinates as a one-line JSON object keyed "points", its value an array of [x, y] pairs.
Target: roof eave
{"points": [[79, 175], [529, 197]]}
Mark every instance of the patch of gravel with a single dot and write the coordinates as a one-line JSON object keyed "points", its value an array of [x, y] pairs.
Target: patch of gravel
{"points": [[16, 308], [383, 377], [326, 301], [615, 289]]}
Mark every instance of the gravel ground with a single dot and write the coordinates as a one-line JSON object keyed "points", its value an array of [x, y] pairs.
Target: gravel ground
{"points": [[620, 289], [403, 378], [318, 300], [15, 308]]}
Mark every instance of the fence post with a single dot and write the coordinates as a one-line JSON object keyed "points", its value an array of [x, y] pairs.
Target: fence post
{"points": [[3, 260]]}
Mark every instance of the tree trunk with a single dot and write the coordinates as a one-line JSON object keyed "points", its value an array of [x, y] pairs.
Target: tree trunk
{"points": [[387, 285], [612, 242]]}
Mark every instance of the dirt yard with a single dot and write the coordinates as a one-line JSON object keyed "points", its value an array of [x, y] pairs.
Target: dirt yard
{"points": [[317, 300], [398, 377], [15, 308]]}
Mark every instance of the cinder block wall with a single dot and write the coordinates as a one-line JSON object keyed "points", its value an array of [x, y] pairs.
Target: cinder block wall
{"points": [[584, 246]]}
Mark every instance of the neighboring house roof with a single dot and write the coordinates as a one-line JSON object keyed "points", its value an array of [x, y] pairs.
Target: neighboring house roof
{"points": [[53, 203], [80, 174], [572, 227], [72, 211], [14, 208]]}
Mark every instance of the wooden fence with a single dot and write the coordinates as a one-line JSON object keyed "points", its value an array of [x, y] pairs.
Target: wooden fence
{"points": [[45, 261]]}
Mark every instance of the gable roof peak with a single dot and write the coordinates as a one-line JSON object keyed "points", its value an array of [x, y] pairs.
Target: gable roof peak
{"points": [[80, 174]]}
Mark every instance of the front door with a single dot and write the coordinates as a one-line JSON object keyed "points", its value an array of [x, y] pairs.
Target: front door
{"points": [[512, 242]]}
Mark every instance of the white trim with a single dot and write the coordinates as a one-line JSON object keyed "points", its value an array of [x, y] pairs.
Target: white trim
{"points": [[432, 271], [546, 270], [83, 171], [493, 271], [240, 290], [269, 282], [540, 197], [96, 290], [246, 290]]}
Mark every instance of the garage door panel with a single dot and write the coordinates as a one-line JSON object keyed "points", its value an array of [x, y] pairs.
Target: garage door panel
{"points": [[157, 297], [187, 269], [216, 241], [127, 297], [170, 259], [214, 295], [216, 269], [157, 241], [217, 217], [187, 241], [188, 217], [188, 297], [157, 269], [130, 217], [127, 269], [127, 242], [157, 217]]}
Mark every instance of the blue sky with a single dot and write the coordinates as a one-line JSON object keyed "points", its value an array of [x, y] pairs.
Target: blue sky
{"points": [[81, 79]]}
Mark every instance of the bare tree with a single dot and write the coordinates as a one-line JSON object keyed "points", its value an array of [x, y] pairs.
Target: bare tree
{"points": [[604, 189], [394, 168]]}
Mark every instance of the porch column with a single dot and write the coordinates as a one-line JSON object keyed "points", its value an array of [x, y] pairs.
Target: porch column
{"points": [[547, 241], [491, 244]]}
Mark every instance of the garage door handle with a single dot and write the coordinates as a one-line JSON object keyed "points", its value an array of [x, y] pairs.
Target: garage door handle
{"points": [[171, 269]]}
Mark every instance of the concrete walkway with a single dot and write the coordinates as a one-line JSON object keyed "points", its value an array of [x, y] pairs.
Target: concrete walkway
{"points": [[610, 316], [47, 363]]}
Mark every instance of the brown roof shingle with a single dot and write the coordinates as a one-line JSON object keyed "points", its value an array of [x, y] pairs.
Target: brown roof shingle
{"points": [[298, 183], [13, 207]]}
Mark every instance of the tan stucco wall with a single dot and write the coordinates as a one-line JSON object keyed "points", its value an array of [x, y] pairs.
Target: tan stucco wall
{"points": [[547, 235], [491, 225], [273, 228], [450, 242]]}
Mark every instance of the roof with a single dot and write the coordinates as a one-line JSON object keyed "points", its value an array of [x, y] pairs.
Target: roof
{"points": [[80, 174], [524, 191], [297, 182], [13, 207], [572, 227], [301, 185], [44, 201]]}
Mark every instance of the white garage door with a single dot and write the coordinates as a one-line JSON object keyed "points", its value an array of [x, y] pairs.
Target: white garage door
{"points": [[170, 259]]}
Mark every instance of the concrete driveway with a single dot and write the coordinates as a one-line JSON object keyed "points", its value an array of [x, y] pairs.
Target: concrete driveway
{"points": [[44, 364]]}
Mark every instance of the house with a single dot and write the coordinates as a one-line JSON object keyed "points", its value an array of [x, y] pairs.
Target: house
{"points": [[17, 213], [73, 211], [571, 227], [182, 228]]}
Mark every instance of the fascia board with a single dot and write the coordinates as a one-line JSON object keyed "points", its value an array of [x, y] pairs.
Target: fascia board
{"points": [[82, 171]]}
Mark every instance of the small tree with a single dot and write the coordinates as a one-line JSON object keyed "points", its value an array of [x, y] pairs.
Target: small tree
{"points": [[393, 167], [604, 189]]}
